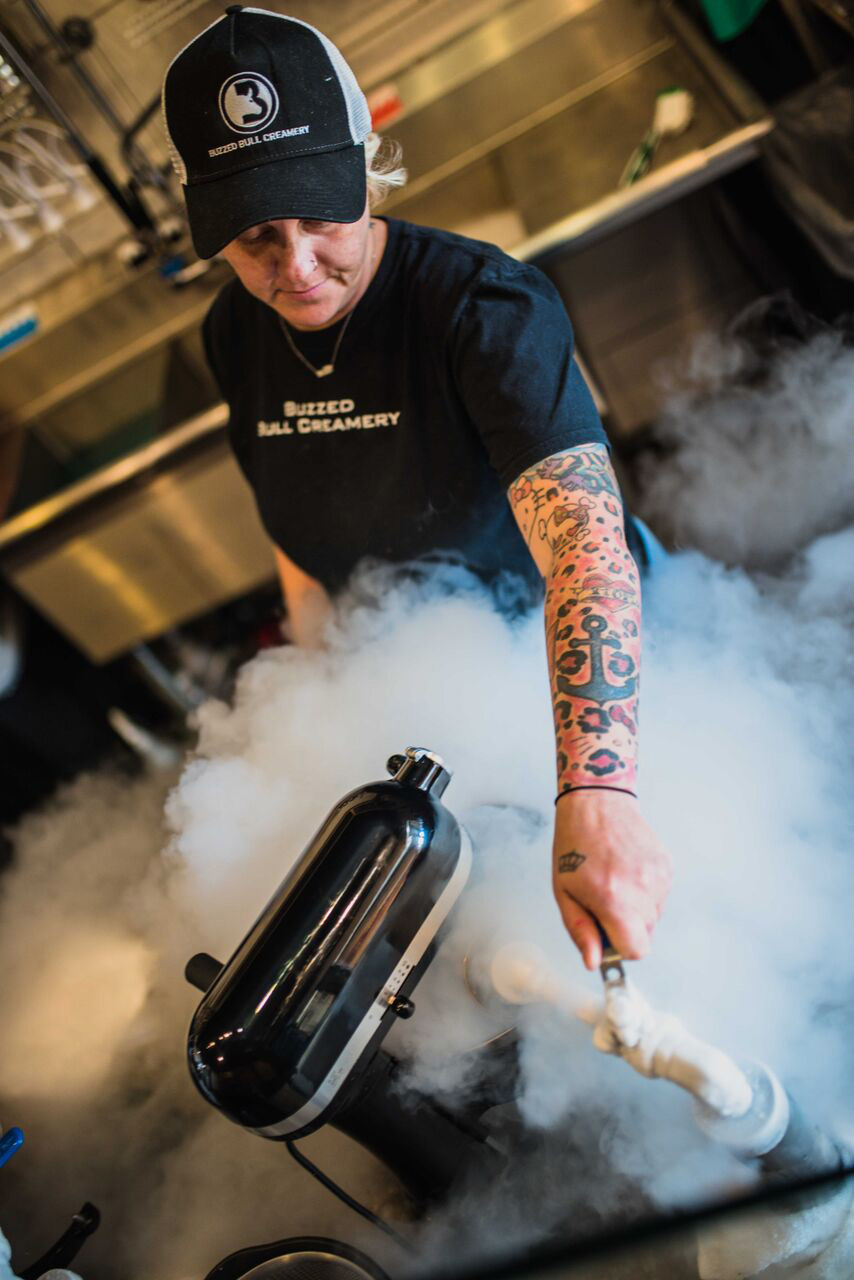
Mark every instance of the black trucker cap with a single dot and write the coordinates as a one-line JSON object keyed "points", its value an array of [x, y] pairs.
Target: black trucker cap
{"points": [[264, 120]]}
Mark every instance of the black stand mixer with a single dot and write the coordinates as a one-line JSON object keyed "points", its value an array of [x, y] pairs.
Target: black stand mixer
{"points": [[288, 1036]]}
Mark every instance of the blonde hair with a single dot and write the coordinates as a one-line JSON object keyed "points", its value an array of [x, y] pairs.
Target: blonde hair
{"points": [[385, 172]]}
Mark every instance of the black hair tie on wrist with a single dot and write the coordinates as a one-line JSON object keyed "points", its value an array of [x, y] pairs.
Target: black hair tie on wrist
{"points": [[595, 787]]}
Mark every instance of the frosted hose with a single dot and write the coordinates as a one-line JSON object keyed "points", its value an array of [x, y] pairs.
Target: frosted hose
{"points": [[654, 1044], [742, 1106], [658, 1046]]}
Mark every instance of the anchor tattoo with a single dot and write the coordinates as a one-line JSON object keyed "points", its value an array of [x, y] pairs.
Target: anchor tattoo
{"points": [[596, 688]]}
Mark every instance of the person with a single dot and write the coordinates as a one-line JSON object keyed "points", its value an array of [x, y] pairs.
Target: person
{"points": [[398, 392]]}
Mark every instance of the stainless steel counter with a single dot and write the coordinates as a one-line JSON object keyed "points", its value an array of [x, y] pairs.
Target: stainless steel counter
{"points": [[156, 539]]}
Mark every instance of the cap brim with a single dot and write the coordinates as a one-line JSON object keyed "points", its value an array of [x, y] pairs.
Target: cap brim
{"points": [[330, 186]]}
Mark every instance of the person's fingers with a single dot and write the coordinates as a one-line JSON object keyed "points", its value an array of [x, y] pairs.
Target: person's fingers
{"points": [[581, 927], [629, 934]]}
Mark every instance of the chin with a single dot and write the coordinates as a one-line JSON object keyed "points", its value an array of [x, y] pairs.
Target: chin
{"points": [[317, 316], [307, 322]]}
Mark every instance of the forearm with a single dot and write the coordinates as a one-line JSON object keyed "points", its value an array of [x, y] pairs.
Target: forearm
{"points": [[574, 520], [609, 869], [308, 616], [593, 637], [307, 604]]}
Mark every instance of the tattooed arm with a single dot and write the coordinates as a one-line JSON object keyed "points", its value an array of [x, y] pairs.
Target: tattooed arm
{"points": [[608, 864]]}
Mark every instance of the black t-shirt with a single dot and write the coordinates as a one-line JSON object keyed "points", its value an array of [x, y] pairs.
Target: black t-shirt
{"points": [[454, 375]]}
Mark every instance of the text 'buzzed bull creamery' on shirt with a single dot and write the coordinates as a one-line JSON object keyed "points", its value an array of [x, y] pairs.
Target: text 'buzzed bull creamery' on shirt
{"points": [[303, 418]]}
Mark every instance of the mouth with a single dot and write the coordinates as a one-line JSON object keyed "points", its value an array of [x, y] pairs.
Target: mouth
{"points": [[302, 293]]}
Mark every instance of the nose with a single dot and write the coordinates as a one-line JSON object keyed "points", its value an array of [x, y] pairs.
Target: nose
{"points": [[296, 262]]}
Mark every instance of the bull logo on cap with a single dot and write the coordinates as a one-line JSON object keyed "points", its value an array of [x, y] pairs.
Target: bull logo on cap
{"points": [[248, 101]]}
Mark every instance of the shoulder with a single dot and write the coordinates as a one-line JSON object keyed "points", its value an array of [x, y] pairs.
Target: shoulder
{"points": [[421, 242], [457, 268]]}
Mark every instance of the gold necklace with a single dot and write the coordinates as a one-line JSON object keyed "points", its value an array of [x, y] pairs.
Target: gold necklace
{"points": [[325, 369]]}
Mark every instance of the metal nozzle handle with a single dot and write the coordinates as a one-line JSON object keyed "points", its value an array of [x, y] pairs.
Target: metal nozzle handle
{"points": [[611, 966]]}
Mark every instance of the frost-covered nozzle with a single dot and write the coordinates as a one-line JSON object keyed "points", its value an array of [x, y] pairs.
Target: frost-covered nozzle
{"points": [[773, 1131], [761, 1127], [654, 1044]]}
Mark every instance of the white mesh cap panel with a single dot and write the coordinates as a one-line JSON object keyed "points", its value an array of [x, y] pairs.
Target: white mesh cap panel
{"points": [[174, 154], [358, 112]]}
